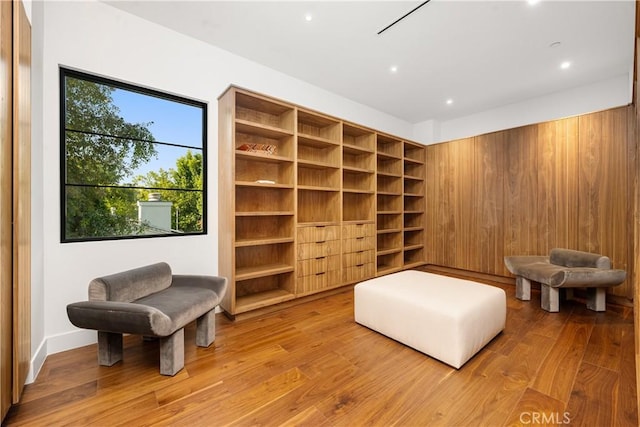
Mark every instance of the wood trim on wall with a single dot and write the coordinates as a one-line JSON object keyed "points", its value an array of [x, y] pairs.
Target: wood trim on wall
{"points": [[6, 247], [21, 198]]}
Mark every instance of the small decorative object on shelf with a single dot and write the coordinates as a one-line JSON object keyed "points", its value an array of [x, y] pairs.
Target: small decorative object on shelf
{"points": [[265, 181], [258, 148]]}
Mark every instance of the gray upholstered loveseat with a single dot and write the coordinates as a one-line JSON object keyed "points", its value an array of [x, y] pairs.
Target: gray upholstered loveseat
{"points": [[152, 302], [564, 268]]}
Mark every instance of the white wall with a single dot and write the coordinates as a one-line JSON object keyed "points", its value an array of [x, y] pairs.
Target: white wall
{"points": [[94, 37], [598, 96]]}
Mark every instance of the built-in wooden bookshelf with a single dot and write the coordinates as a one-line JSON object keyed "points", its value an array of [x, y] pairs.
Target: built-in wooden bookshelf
{"points": [[414, 204], [309, 202], [389, 204]]}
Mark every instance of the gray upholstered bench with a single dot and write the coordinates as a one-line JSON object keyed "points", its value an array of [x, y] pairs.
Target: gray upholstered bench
{"points": [[564, 268], [152, 302]]}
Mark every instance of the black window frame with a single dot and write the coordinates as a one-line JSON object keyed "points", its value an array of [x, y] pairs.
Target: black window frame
{"points": [[68, 72]]}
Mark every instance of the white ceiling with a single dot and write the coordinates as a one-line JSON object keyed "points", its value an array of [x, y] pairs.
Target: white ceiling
{"points": [[480, 54]]}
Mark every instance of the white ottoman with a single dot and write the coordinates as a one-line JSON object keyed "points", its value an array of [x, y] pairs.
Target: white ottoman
{"points": [[447, 318]]}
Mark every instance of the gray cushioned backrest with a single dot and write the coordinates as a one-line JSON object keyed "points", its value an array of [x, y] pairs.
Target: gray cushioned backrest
{"points": [[571, 258], [132, 284]]}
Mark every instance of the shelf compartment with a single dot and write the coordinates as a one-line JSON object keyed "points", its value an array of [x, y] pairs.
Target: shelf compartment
{"points": [[264, 291], [250, 133], [413, 258], [413, 203], [358, 207], [352, 180], [388, 146], [388, 262], [263, 199], [358, 161], [389, 221], [263, 260], [389, 166], [414, 152], [389, 241], [318, 206], [414, 237], [413, 219], [358, 138], [328, 155], [412, 170], [262, 111], [263, 228], [318, 127], [314, 176], [255, 169], [386, 203], [413, 187], [389, 184]]}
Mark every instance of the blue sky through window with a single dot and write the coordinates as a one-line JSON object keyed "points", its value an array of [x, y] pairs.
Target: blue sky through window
{"points": [[172, 122]]}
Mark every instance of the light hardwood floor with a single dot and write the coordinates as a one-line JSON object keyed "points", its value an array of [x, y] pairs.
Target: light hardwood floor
{"points": [[313, 365]]}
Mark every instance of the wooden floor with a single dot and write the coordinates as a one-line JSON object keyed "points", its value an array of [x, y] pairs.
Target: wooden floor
{"points": [[312, 365]]}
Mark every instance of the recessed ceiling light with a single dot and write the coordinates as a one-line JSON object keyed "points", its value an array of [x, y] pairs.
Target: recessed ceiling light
{"points": [[449, 101], [393, 69], [533, 2], [565, 65], [308, 17]]}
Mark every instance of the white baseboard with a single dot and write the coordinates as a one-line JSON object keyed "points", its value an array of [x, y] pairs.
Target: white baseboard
{"points": [[57, 343]]}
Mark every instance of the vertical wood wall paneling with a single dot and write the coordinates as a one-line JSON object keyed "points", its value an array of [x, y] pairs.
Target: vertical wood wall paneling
{"points": [[487, 235], [566, 183], [21, 198], [604, 188], [5, 208], [557, 188], [521, 230]]}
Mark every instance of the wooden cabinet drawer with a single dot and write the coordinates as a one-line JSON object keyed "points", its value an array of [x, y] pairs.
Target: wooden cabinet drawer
{"points": [[357, 258], [359, 244], [318, 249], [322, 264], [318, 233], [318, 282], [353, 231], [358, 273]]}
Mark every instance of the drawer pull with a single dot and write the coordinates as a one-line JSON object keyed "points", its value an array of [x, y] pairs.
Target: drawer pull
{"points": [[360, 238], [320, 257], [359, 265], [321, 242], [320, 274], [320, 226], [359, 252]]}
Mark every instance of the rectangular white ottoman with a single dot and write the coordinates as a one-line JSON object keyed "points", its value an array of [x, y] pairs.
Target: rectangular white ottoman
{"points": [[447, 318]]}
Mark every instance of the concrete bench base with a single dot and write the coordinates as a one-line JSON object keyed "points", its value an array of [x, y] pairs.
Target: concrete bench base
{"points": [[446, 318]]}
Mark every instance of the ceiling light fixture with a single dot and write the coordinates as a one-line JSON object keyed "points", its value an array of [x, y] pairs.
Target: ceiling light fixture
{"points": [[308, 17], [402, 17], [565, 65], [449, 101], [533, 2], [393, 69]]}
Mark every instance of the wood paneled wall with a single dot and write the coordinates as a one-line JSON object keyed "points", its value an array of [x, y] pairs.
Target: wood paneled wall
{"points": [[523, 191]]}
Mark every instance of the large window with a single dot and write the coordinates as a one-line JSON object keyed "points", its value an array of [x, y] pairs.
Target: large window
{"points": [[133, 161]]}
